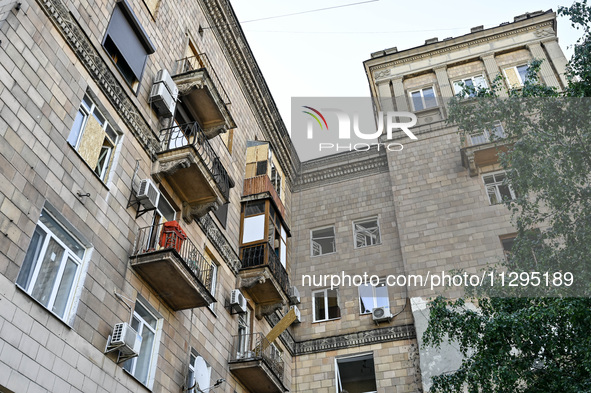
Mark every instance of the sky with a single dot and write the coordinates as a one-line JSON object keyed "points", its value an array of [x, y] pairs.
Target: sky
{"points": [[321, 53]]}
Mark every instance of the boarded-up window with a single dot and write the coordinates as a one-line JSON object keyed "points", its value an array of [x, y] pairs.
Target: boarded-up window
{"points": [[516, 76], [152, 6]]}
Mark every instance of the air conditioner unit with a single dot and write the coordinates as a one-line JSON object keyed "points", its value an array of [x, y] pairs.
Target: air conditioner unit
{"points": [[380, 314], [164, 77], [238, 301], [148, 194], [161, 100], [126, 340], [297, 313], [294, 295]]}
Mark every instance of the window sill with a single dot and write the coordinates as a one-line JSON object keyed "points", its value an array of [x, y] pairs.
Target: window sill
{"points": [[327, 320], [427, 110], [137, 380], [321, 255]]}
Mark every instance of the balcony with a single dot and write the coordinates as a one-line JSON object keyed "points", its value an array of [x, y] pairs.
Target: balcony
{"points": [[481, 149], [171, 264], [201, 91], [262, 275], [189, 164], [262, 184], [257, 364]]}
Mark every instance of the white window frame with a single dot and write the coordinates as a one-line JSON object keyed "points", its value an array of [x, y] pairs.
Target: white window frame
{"points": [[381, 284], [192, 368], [485, 134], [516, 69], [112, 135], [495, 185], [151, 374], [421, 91], [312, 242], [362, 220], [214, 283], [40, 252], [460, 89], [325, 298], [361, 356]]}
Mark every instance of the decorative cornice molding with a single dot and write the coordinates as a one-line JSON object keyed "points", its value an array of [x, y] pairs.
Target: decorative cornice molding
{"points": [[463, 45], [98, 69], [221, 244]]}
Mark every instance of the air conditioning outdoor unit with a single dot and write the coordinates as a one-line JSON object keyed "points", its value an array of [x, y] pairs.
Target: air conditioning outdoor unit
{"points": [[148, 194], [126, 340], [298, 314], [164, 77], [161, 100], [380, 314], [294, 295], [238, 301]]}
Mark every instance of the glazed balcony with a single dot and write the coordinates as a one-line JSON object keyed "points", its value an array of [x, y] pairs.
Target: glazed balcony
{"points": [[190, 165], [201, 91], [262, 275], [256, 364], [171, 264], [481, 149], [262, 185]]}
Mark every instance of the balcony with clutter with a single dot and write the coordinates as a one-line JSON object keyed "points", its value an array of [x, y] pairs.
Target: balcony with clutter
{"points": [[165, 257], [481, 148], [190, 165], [257, 364]]}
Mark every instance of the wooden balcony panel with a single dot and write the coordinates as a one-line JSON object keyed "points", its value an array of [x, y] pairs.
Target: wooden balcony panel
{"points": [[261, 184]]}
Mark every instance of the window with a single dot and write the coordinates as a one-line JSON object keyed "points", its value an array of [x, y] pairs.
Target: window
{"points": [[371, 297], [507, 242], [323, 241], [221, 213], [127, 44], [356, 374], [496, 132], [214, 276], [93, 137], [148, 326], [51, 271], [244, 338], [228, 139], [326, 305], [475, 82], [516, 76], [497, 187], [199, 378], [423, 99], [253, 228], [276, 179], [366, 232]]}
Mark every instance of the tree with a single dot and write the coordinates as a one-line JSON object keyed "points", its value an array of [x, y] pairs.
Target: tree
{"points": [[532, 338]]}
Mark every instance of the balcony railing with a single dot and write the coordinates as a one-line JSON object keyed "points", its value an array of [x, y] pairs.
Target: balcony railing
{"points": [[156, 238], [198, 62], [191, 134], [255, 346], [260, 255]]}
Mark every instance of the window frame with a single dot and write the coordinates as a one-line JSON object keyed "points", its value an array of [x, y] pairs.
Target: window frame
{"points": [[518, 74], [152, 364], [486, 134], [358, 357], [361, 220], [463, 80], [496, 185], [39, 254], [381, 284], [421, 91], [334, 234], [325, 298]]}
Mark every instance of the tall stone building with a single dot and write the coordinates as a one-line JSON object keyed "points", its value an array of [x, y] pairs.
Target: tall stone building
{"points": [[156, 221]]}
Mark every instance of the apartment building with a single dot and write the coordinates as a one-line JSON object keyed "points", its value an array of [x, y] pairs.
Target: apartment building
{"points": [[156, 220]]}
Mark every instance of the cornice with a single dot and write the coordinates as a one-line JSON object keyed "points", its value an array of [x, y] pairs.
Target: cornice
{"points": [[227, 29], [100, 72]]}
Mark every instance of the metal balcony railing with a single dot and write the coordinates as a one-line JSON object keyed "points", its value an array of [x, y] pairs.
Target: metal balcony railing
{"points": [[198, 62], [191, 134], [157, 238], [255, 346], [263, 254]]}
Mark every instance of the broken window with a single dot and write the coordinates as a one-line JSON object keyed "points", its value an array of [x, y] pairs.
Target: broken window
{"points": [[366, 232], [356, 374]]}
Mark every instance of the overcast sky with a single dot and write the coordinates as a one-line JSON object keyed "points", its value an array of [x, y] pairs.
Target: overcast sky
{"points": [[321, 54]]}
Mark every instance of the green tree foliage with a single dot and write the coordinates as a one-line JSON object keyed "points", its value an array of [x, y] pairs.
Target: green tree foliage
{"points": [[532, 338]]}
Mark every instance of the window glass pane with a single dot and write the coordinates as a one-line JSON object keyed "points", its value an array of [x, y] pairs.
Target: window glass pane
{"points": [[146, 315], [382, 299], [111, 133], [283, 253], [72, 243], [333, 304], [254, 228], [142, 366], [522, 70], [165, 208], [86, 102], [366, 298], [492, 195], [319, 308], [77, 127], [26, 272], [48, 272], [417, 100], [254, 208], [357, 375], [103, 160], [457, 88], [65, 287], [480, 82], [505, 192], [99, 117], [429, 95]]}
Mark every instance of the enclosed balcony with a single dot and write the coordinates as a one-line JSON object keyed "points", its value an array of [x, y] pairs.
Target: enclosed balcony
{"points": [[190, 165], [481, 149], [170, 263], [262, 185], [201, 91], [257, 364]]}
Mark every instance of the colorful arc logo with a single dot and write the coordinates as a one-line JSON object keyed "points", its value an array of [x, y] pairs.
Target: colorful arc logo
{"points": [[316, 117]]}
